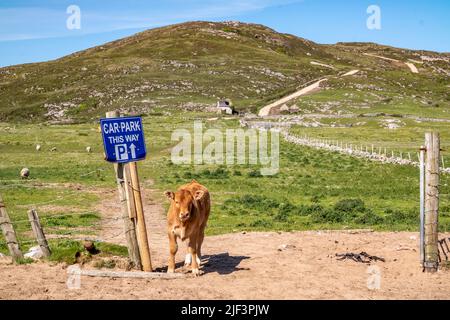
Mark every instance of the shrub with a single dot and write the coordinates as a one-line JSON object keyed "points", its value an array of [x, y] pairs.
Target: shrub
{"points": [[281, 216], [254, 174], [327, 215], [397, 216], [369, 218], [188, 175], [304, 210], [350, 205], [261, 224]]}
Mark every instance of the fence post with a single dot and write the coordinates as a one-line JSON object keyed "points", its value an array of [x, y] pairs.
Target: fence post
{"points": [[431, 201], [124, 197], [141, 227], [39, 233], [422, 203], [9, 233]]}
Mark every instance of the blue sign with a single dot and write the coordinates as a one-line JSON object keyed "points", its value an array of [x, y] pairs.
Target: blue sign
{"points": [[123, 139]]}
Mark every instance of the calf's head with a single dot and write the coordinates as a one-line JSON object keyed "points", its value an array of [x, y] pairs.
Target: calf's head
{"points": [[184, 202]]}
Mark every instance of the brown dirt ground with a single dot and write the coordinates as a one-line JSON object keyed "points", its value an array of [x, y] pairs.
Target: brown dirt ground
{"points": [[247, 266]]}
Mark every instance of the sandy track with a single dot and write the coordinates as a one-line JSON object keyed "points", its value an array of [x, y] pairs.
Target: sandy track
{"points": [[245, 266], [273, 107], [410, 65], [250, 266]]}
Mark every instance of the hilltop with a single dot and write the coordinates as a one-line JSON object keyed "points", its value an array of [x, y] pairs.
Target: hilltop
{"points": [[192, 65]]}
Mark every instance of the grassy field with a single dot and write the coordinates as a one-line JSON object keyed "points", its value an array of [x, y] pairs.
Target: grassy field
{"points": [[368, 131], [313, 190]]}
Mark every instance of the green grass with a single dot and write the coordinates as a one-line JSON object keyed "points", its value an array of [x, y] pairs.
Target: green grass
{"points": [[313, 189], [368, 131], [65, 250], [307, 178]]}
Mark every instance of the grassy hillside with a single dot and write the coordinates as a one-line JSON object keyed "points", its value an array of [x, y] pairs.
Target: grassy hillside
{"points": [[192, 65]]}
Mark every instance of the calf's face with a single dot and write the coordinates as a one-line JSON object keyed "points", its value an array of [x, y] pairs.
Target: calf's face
{"points": [[183, 202]]}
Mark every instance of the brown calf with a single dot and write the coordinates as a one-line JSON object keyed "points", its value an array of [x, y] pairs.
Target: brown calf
{"points": [[186, 219]]}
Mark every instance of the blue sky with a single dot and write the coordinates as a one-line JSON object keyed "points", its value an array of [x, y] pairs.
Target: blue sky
{"points": [[35, 30]]}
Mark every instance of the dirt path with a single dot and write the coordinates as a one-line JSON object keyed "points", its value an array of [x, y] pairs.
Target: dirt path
{"points": [[314, 63], [273, 107], [251, 266], [350, 73], [265, 265], [410, 65], [112, 230]]}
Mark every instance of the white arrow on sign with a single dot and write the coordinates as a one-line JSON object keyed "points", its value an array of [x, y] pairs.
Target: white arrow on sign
{"points": [[133, 151]]}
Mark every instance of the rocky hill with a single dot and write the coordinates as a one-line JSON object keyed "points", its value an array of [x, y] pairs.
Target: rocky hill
{"points": [[192, 65]]}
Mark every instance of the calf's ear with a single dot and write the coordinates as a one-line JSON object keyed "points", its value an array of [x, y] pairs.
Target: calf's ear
{"points": [[199, 194], [170, 195]]}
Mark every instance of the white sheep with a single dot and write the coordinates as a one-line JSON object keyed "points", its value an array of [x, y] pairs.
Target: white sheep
{"points": [[38, 147], [88, 149], [25, 173]]}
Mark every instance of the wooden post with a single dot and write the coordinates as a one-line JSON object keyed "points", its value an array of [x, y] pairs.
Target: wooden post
{"points": [[141, 228], [432, 145], [39, 232], [9, 233], [131, 201], [422, 203], [132, 275], [124, 197]]}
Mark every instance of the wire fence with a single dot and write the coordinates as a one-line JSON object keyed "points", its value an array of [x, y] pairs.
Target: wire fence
{"points": [[374, 152]]}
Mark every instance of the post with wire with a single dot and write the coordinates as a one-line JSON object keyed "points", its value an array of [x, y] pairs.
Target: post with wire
{"points": [[124, 145], [9, 233], [429, 204]]}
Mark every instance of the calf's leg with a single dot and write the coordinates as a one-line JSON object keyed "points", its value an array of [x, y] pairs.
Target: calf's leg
{"points": [[193, 251], [173, 250], [201, 236]]}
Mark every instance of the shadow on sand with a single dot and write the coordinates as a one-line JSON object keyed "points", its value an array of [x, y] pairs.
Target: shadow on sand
{"points": [[221, 263]]}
